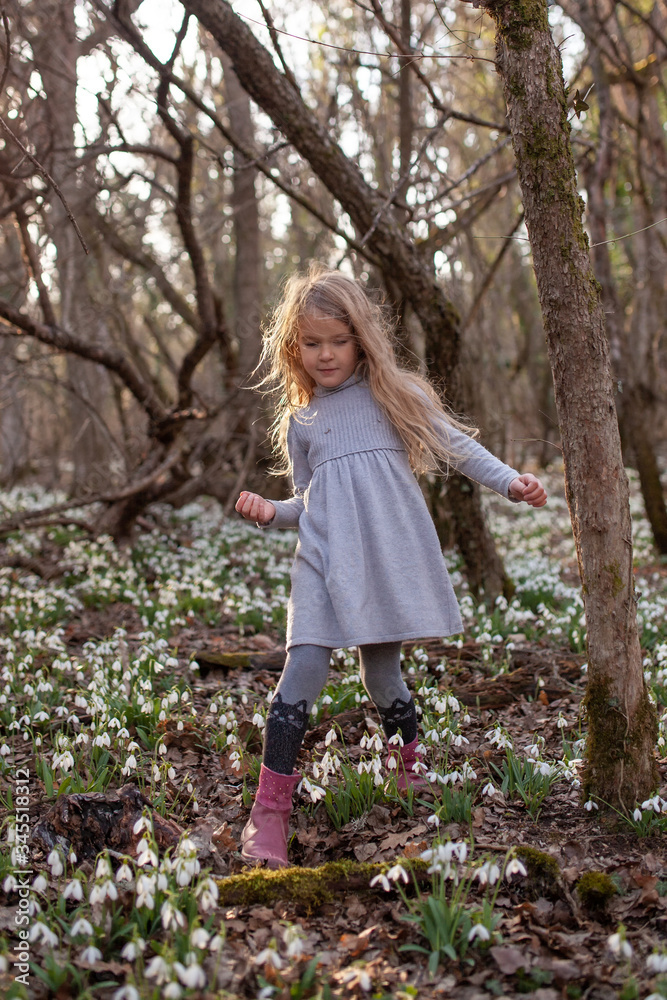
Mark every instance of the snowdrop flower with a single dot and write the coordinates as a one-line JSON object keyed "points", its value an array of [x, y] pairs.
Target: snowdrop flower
{"points": [[395, 741], [258, 720], [515, 867], [478, 931], [293, 937], [159, 970], [618, 945], [382, 880], [207, 892], [73, 890], [314, 791], [81, 926], [562, 722], [192, 976], [133, 949], [331, 737], [170, 915], [657, 962], [637, 815], [433, 820], [396, 873], [590, 805], [54, 861], [147, 857], [143, 823], [124, 873], [40, 884], [91, 954], [489, 789], [39, 931], [653, 803], [216, 943], [199, 937], [269, 957], [103, 868], [126, 993], [488, 873]]}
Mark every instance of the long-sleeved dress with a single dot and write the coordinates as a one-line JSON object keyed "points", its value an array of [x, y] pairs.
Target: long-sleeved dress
{"points": [[368, 565]]}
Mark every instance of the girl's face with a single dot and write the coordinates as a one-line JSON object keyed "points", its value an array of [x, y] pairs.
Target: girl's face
{"points": [[328, 350]]}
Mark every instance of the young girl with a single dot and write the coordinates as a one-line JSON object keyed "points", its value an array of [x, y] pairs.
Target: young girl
{"points": [[353, 428]]}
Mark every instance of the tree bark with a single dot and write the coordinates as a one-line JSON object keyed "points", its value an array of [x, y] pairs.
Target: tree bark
{"points": [[381, 228], [622, 726], [247, 297], [631, 404], [56, 50]]}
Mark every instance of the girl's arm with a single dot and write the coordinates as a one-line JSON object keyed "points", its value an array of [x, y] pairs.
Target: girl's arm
{"points": [[281, 513], [474, 461]]}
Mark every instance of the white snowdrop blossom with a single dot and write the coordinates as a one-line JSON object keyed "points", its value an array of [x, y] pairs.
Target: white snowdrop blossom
{"points": [[618, 945], [637, 815], [170, 915], [124, 873], [590, 805], [207, 893], [73, 890], [192, 976], [39, 931], [488, 873], [54, 861], [127, 992], [657, 962], [81, 926], [199, 937], [479, 931], [159, 970], [269, 956], [91, 954], [293, 936], [40, 884], [515, 867], [489, 789]]}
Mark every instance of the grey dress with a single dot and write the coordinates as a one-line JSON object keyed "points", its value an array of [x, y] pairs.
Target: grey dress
{"points": [[368, 565]]}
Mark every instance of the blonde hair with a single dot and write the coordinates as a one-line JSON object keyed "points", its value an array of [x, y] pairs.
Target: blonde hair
{"points": [[407, 398]]}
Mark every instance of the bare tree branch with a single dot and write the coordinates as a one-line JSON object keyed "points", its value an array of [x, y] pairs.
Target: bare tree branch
{"points": [[19, 324]]}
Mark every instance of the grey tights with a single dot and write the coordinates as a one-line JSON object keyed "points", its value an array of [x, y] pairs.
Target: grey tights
{"points": [[302, 680]]}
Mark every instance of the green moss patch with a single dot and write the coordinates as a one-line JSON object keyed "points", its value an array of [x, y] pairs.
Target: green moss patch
{"points": [[310, 887], [595, 889]]}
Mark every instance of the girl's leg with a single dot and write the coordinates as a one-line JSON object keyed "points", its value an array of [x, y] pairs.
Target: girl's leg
{"points": [[381, 676], [264, 837], [303, 677]]}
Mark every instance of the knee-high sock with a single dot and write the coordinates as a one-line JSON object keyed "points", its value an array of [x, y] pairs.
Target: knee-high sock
{"points": [[381, 676], [302, 679]]}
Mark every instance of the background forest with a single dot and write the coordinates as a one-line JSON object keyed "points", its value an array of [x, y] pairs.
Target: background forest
{"points": [[193, 207]]}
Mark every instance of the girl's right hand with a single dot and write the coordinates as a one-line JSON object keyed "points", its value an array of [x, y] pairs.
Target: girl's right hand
{"points": [[255, 508]]}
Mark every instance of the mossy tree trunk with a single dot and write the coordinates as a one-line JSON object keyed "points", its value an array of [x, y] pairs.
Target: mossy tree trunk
{"points": [[632, 406], [622, 727], [380, 226]]}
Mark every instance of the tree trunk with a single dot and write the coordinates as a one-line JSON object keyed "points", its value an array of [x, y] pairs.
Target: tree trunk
{"points": [[382, 227], [620, 762], [631, 405], [247, 297], [56, 49]]}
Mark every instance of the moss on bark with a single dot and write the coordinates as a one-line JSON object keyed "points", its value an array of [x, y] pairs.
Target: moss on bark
{"points": [[310, 887], [620, 759]]}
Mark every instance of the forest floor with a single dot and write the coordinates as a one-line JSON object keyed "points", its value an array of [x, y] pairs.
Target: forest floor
{"points": [[135, 683]]}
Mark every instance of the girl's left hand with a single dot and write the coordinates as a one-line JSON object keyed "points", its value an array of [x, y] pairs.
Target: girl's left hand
{"points": [[528, 487]]}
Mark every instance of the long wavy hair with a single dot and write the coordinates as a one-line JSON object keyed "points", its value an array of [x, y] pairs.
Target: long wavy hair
{"points": [[407, 398]]}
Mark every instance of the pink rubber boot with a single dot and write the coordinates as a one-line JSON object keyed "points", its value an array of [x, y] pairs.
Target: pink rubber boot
{"points": [[264, 837], [404, 759]]}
